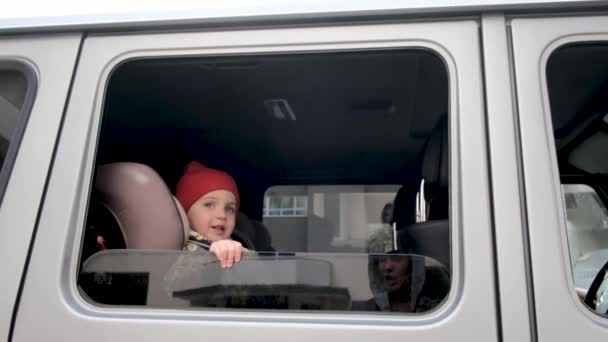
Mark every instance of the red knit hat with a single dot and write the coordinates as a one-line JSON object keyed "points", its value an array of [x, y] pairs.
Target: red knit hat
{"points": [[199, 180]]}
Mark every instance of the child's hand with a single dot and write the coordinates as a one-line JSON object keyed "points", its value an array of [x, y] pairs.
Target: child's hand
{"points": [[227, 252]]}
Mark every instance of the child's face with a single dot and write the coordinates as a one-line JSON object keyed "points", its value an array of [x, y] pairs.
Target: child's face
{"points": [[214, 215]]}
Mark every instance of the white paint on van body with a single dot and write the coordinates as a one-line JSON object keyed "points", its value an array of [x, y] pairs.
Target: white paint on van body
{"points": [[116, 13], [52, 60]]}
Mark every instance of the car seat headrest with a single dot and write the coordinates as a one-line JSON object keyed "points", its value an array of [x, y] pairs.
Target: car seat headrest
{"points": [[435, 163], [431, 239], [435, 172], [404, 206], [142, 204]]}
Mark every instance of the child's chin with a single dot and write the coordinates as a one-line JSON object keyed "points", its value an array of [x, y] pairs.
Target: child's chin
{"points": [[217, 237]]}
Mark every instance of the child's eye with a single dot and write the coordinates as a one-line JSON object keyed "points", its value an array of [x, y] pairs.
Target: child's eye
{"points": [[209, 205], [231, 210]]}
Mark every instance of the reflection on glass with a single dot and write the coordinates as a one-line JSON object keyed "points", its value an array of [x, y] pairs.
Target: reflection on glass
{"points": [[341, 217], [287, 202], [587, 232], [13, 88], [275, 202], [405, 283], [301, 202], [346, 282]]}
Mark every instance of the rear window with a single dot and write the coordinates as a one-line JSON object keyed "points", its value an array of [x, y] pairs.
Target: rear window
{"points": [[330, 169], [340, 218]]}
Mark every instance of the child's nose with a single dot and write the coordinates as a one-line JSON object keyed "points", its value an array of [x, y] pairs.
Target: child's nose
{"points": [[221, 212]]}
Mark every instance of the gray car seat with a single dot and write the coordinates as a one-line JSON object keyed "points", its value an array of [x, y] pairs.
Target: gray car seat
{"points": [[252, 234]]}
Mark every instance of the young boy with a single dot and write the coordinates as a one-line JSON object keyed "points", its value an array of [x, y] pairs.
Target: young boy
{"points": [[211, 200]]}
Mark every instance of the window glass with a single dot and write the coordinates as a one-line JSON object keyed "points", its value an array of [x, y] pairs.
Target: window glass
{"points": [[326, 153], [13, 100], [587, 227], [577, 80], [331, 282], [341, 219], [285, 206]]}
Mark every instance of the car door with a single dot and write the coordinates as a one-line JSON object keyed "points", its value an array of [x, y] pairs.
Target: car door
{"points": [[470, 311], [35, 75], [559, 65]]}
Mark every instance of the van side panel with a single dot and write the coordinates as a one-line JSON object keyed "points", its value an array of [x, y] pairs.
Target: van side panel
{"points": [[470, 311]]}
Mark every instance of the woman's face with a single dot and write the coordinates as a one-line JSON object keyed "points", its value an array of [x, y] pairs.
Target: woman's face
{"points": [[395, 271]]}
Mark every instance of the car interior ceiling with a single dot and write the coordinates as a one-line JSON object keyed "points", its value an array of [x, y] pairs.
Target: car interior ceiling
{"points": [[359, 117], [578, 95]]}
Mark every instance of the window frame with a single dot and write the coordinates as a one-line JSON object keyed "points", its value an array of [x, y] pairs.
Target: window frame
{"points": [[455, 281], [266, 207], [448, 63], [547, 53], [568, 178]]}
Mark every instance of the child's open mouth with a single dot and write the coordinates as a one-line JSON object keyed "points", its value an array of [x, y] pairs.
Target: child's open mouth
{"points": [[218, 229]]}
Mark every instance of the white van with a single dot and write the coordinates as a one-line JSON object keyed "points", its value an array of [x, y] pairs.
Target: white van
{"points": [[428, 173]]}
